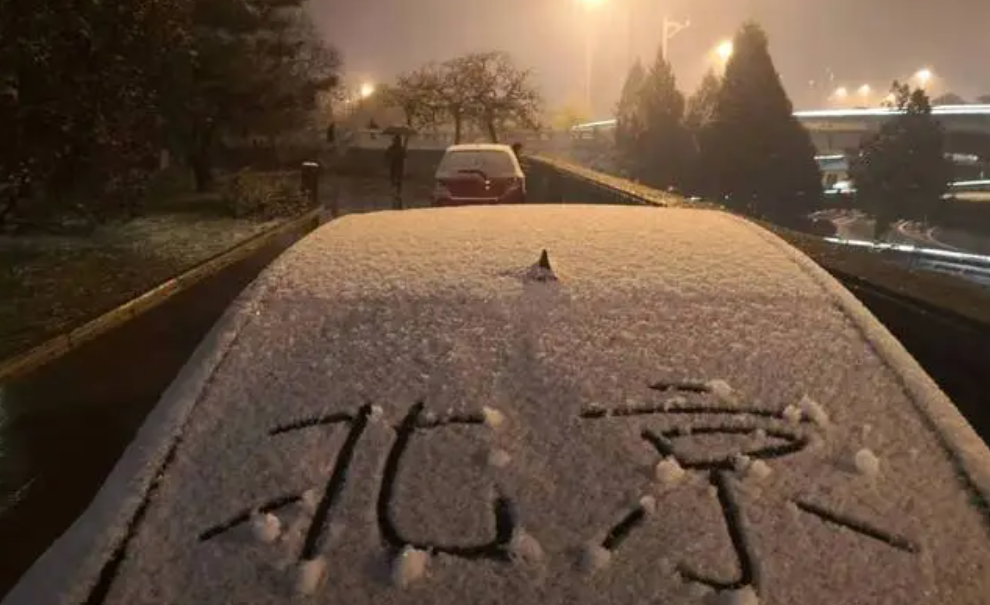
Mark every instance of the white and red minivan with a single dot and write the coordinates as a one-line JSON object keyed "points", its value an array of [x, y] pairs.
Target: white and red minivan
{"points": [[479, 174]]}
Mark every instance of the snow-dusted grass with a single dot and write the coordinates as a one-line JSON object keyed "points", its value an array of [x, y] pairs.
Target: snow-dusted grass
{"points": [[426, 308], [52, 284]]}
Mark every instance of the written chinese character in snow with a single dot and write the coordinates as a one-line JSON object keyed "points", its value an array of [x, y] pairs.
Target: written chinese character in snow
{"points": [[759, 440]]}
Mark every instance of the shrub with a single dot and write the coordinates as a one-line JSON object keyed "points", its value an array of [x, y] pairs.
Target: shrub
{"points": [[263, 195]]}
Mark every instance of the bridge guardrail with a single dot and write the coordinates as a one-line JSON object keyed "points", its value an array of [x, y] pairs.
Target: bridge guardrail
{"points": [[943, 261]]}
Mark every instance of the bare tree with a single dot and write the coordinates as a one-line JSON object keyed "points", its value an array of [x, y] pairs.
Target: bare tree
{"points": [[500, 92], [417, 95], [482, 88], [455, 95]]}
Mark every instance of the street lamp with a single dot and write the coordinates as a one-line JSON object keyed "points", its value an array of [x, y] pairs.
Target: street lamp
{"points": [[671, 29], [865, 90], [724, 50], [924, 76], [841, 92], [367, 89]]}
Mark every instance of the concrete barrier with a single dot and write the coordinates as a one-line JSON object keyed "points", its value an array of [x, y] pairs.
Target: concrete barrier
{"points": [[553, 180], [58, 346]]}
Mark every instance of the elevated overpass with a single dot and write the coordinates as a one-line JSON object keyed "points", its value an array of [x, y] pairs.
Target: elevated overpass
{"points": [[838, 133]]}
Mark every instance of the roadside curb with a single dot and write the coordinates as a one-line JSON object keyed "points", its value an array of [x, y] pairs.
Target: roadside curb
{"points": [[58, 346]]}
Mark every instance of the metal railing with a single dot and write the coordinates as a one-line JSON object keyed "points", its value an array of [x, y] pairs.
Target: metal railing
{"points": [[975, 267]]}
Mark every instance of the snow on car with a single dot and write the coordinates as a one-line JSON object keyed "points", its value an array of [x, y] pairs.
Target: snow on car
{"points": [[672, 406]]}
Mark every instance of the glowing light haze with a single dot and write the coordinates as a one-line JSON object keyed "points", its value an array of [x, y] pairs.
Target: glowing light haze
{"points": [[817, 46]]}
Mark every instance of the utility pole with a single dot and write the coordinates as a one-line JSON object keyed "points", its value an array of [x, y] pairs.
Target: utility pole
{"points": [[671, 29], [589, 54], [632, 34]]}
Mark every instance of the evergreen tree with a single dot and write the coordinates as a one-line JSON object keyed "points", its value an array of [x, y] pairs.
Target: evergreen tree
{"points": [[246, 67], [702, 104], [700, 115], [902, 171], [760, 159], [629, 123], [666, 145]]}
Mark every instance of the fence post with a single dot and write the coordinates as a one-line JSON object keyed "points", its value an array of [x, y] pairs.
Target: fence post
{"points": [[311, 183]]}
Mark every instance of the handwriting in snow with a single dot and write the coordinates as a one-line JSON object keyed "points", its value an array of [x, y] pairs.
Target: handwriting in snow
{"points": [[789, 435]]}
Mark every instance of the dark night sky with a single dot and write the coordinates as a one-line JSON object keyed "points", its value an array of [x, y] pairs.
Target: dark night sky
{"points": [[861, 41]]}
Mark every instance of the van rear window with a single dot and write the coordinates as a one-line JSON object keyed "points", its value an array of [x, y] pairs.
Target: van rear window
{"points": [[491, 162]]}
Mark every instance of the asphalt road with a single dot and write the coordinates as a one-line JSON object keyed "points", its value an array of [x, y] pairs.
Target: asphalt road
{"points": [[856, 226]]}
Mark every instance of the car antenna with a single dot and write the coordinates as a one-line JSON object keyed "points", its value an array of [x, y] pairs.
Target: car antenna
{"points": [[542, 271], [544, 262]]}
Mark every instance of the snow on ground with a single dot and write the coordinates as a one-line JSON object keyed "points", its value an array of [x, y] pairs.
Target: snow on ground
{"points": [[184, 238], [424, 314]]}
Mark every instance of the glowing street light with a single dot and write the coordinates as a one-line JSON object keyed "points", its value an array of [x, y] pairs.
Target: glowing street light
{"points": [[841, 92], [924, 76], [724, 50], [367, 89], [865, 90], [589, 4]]}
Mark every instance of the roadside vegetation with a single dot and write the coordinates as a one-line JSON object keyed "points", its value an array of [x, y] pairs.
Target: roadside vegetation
{"points": [[736, 141], [143, 137]]}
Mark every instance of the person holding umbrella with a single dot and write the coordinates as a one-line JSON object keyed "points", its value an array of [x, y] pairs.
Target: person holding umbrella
{"points": [[395, 157]]}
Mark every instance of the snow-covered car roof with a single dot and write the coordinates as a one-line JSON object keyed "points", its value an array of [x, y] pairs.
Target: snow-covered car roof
{"points": [[675, 406], [480, 147]]}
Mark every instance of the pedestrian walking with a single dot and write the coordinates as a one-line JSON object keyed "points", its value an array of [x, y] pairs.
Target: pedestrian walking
{"points": [[395, 156]]}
